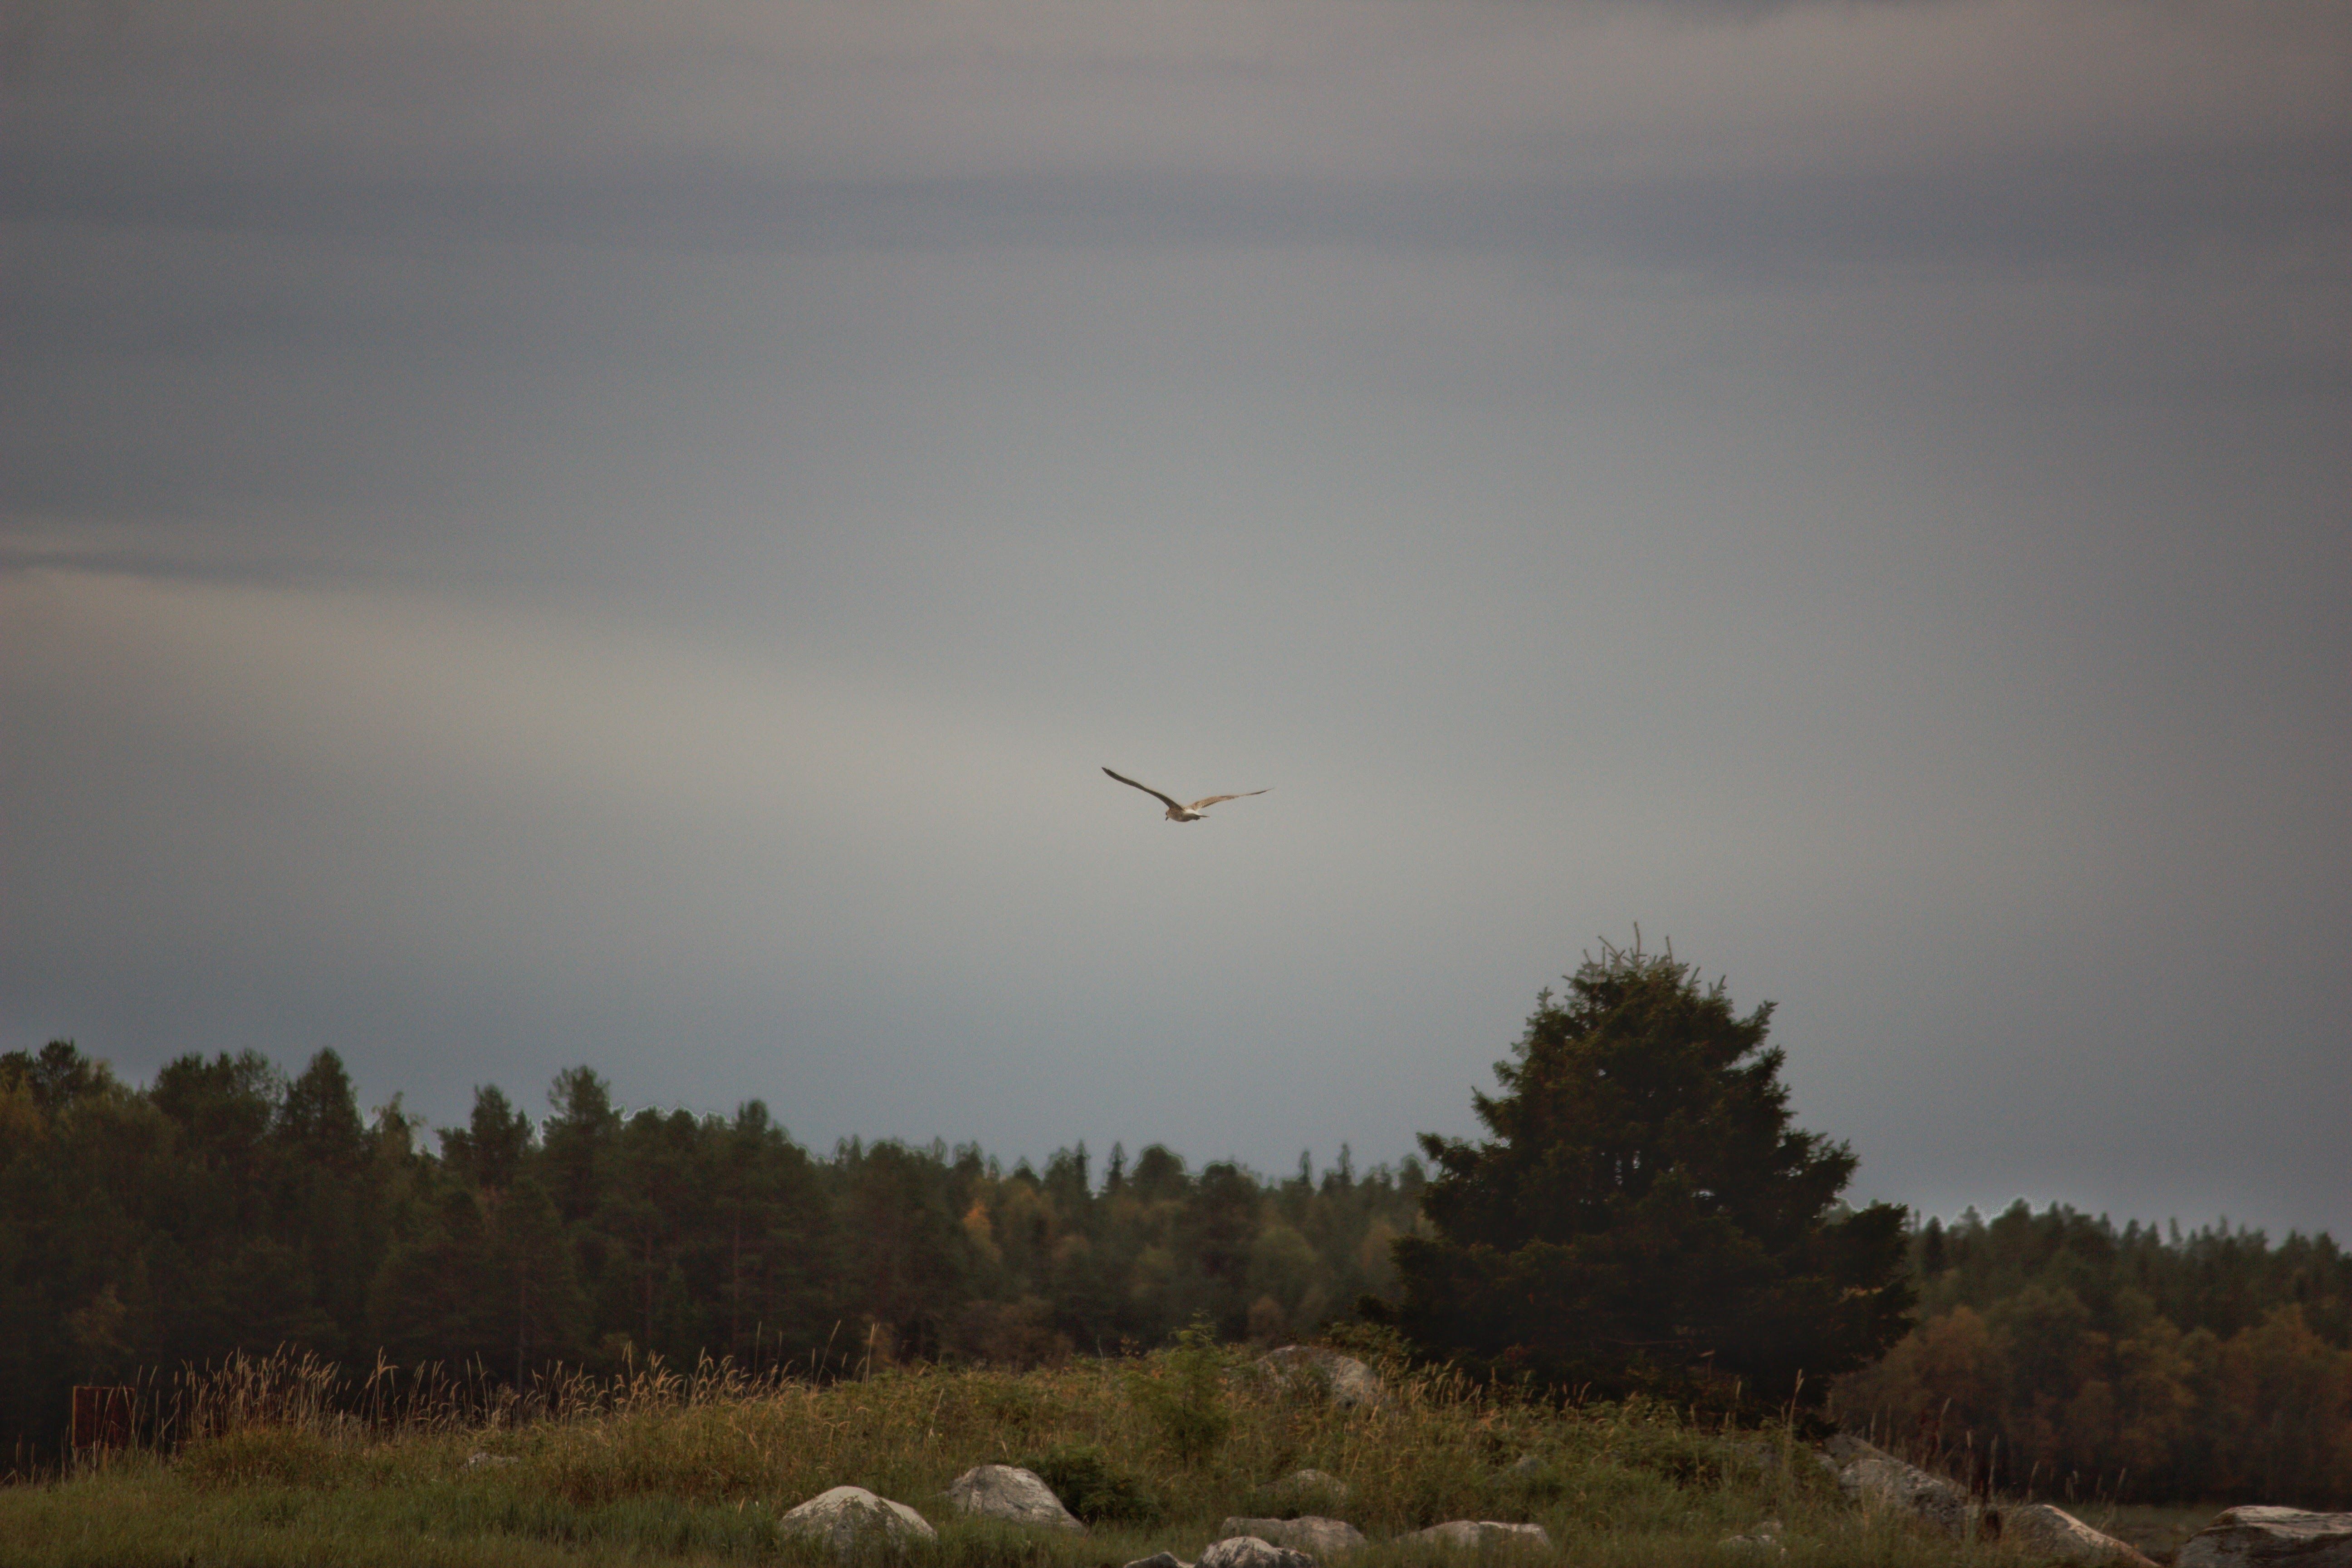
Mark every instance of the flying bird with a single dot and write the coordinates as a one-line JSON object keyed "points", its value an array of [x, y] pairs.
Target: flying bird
{"points": [[1177, 810]]}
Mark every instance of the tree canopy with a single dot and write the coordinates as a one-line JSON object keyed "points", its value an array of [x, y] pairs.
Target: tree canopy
{"points": [[2122, 1360], [1645, 1217], [226, 1206]]}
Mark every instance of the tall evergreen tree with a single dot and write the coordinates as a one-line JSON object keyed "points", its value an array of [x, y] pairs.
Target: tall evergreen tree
{"points": [[1645, 1217], [488, 1152]]}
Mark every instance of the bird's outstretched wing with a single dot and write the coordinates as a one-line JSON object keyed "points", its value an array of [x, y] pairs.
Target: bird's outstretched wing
{"points": [[1207, 801], [1146, 789]]}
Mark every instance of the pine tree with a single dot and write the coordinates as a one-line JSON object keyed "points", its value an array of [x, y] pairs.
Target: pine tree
{"points": [[1645, 1217]]}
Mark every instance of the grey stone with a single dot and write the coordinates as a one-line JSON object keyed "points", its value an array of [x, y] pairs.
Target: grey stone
{"points": [[1349, 1381], [1764, 1540], [1252, 1552], [2269, 1538], [1010, 1492], [1310, 1485], [1160, 1560], [1322, 1537], [2057, 1535], [1763, 1454], [847, 1518], [1873, 1476], [1472, 1533]]}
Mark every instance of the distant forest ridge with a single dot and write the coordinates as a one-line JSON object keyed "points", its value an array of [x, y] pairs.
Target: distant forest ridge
{"points": [[228, 1206], [2134, 1362]]}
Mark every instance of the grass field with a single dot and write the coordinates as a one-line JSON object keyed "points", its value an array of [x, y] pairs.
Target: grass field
{"points": [[656, 1468]]}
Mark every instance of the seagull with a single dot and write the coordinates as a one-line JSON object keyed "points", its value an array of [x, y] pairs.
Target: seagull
{"points": [[1177, 810]]}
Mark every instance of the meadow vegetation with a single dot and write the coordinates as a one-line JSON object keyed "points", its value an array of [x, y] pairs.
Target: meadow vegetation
{"points": [[281, 1461]]}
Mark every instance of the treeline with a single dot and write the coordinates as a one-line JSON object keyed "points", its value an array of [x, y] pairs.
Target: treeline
{"points": [[2130, 1362], [225, 1206]]}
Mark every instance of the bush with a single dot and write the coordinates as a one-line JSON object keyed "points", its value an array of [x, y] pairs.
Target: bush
{"points": [[1093, 1487], [265, 1455], [1184, 1396]]}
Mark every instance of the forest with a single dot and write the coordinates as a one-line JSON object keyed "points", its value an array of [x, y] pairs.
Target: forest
{"points": [[2133, 1362], [227, 1206]]}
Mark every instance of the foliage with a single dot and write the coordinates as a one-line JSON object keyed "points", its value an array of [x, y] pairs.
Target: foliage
{"points": [[1184, 1393], [226, 1208], [2131, 1361], [1645, 1217], [1093, 1486]]}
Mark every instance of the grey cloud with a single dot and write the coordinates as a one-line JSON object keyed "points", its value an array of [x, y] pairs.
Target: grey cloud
{"points": [[2151, 208], [627, 540]]}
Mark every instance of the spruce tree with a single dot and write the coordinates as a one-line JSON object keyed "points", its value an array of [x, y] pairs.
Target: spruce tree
{"points": [[1644, 1217]]}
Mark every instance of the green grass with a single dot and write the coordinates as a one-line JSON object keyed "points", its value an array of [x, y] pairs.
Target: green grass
{"points": [[656, 1469]]}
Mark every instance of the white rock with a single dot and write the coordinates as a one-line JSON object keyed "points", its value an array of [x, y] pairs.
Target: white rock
{"points": [[2285, 1536], [1319, 1485], [1872, 1475], [1763, 1454], [1312, 1533], [847, 1518], [1010, 1492], [1471, 1533], [1251, 1552], [1349, 1381], [2053, 1533]]}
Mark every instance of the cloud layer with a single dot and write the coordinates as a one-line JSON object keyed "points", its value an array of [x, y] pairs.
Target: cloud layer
{"points": [[531, 535]]}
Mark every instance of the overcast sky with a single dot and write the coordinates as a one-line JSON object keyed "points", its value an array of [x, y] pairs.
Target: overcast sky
{"points": [[548, 533]]}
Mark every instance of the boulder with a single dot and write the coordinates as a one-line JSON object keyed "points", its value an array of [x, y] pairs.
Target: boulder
{"points": [[1349, 1381], [1760, 1540], [1472, 1533], [1309, 1486], [2058, 1536], [1766, 1457], [1160, 1560], [1252, 1552], [1313, 1535], [2283, 1537], [1009, 1492], [1872, 1475], [848, 1518]]}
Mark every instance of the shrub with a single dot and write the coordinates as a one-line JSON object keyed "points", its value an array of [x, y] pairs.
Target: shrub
{"points": [[1095, 1489], [265, 1455], [1184, 1396]]}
